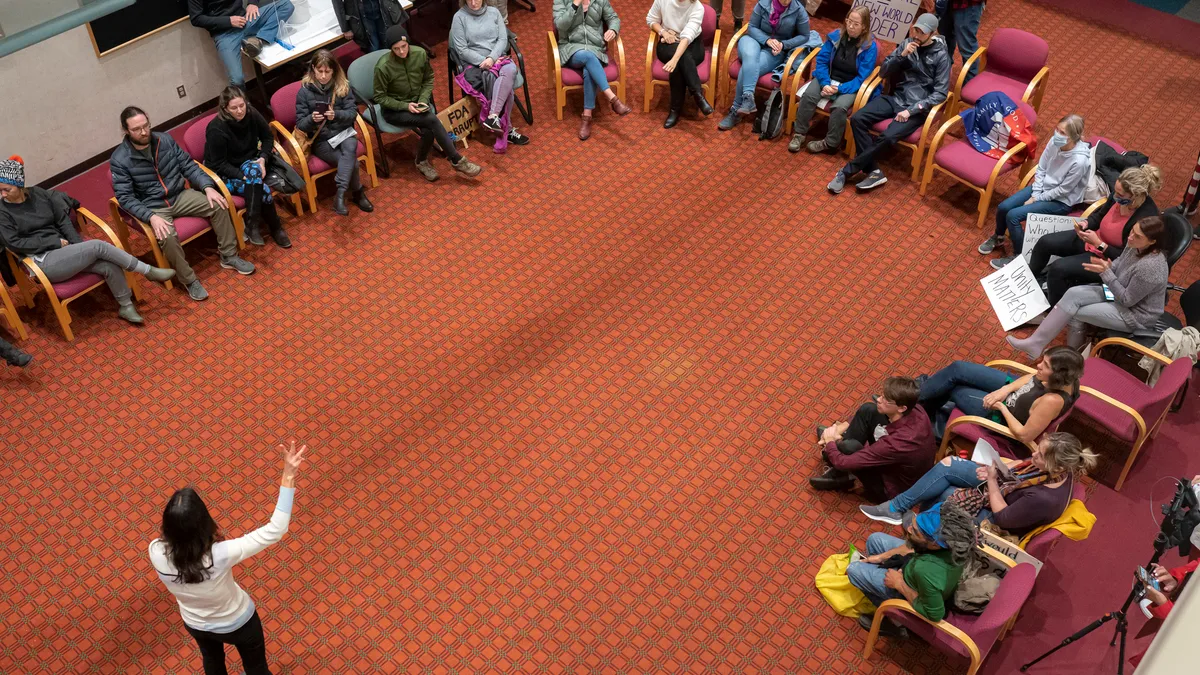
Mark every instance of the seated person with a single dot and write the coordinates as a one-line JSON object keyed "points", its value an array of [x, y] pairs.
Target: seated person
{"points": [[366, 21], [681, 51], [149, 171], [404, 92], [923, 568], [843, 65], [887, 446], [1106, 230], [1028, 405], [583, 31], [325, 85], [1137, 280], [1058, 185], [919, 70], [235, 29], [1037, 496], [237, 147], [480, 41], [776, 28], [36, 222]]}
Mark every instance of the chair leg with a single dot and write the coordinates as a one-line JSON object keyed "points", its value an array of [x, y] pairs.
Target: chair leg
{"points": [[312, 196], [387, 173], [369, 163], [1137, 447], [916, 165], [14, 320], [527, 110], [160, 260], [648, 94], [873, 636], [985, 200], [64, 317], [560, 100]]}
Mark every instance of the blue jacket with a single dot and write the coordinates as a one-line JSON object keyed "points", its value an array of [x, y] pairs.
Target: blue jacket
{"points": [[868, 53], [792, 29]]}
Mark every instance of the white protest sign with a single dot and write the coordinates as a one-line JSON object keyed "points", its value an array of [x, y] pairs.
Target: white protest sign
{"points": [[1008, 549], [890, 19], [1015, 295], [1038, 225]]}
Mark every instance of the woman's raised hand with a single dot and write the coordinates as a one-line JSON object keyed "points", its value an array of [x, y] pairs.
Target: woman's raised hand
{"points": [[293, 458]]}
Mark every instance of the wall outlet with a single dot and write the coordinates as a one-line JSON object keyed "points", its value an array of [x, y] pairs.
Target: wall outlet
{"points": [[181, 91]]}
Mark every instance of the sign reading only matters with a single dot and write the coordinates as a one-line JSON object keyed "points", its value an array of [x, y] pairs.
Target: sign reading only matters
{"points": [[891, 19]]}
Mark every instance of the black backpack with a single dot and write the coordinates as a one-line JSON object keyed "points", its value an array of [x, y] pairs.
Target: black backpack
{"points": [[769, 123]]}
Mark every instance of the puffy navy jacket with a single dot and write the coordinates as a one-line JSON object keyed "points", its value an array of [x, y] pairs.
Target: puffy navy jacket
{"points": [[141, 184]]}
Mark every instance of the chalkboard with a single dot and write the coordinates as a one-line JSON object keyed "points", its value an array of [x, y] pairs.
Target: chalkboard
{"points": [[135, 22]]}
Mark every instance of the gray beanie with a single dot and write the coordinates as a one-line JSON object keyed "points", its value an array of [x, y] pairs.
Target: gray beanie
{"points": [[926, 23]]}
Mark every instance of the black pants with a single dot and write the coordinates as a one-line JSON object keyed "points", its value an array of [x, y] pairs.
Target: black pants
{"points": [[429, 127], [684, 78], [1066, 272], [248, 639], [258, 211], [866, 145], [859, 435]]}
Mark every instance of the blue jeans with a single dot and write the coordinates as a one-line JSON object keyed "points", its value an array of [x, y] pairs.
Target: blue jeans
{"points": [[593, 75], [265, 26], [965, 384], [960, 28], [868, 577], [937, 484], [372, 19], [1012, 212], [757, 61]]}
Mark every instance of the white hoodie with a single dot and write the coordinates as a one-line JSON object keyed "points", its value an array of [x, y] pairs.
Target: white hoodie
{"points": [[1062, 176]]}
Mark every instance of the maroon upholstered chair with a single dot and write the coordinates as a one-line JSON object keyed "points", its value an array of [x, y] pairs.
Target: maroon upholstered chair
{"points": [[1041, 544], [918, 140], [957, 158], [187, 228], [311, 167], [710, 35], [964, 634], [1014, 62], [193, 142], [733, 64], [567, 79]]}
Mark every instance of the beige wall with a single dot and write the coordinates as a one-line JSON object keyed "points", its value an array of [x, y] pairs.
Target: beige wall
{"points": [[63, 102]]}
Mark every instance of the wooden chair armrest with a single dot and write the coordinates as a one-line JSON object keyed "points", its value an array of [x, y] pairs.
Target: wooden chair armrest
{"points": [[1027, 178], [998, 556], [552, 57], [33, 270], [904, 606], [1092, 209], [85, 216], [1011, 365], [220, 185], [723, 66], [364, 134], [983, 422], [716, 54], [787, 69], [980, 55], [1004, 159], [650, 45], [941, 132], [1132, 346], [805, 67], [118, 217], [620, 57], [934, 113], [1035, 83], [864, 92], [1137, 417], [288, 141]]}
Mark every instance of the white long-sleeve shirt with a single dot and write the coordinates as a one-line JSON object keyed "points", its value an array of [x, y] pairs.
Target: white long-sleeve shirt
{"points": [[218, 604], [682, 16]]}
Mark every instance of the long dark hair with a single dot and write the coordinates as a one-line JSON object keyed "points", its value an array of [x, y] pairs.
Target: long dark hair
{"points": [[1066, 368], [1154, 228], [188, 531], [339, 84]]}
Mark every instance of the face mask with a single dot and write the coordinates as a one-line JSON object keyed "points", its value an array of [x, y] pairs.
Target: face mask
{"points": [[1058, 140], [1123, 201]]}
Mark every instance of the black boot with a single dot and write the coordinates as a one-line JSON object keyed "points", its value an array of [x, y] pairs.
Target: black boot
{"points": [[14, 356], [832, 479], [702, 103], [672, 118], [360, 198], [254, 213], [339, 203], [276, 226]]}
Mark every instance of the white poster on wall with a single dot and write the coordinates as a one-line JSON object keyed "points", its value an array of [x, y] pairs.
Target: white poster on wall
{"points": [[1015, 294], [1038, 225], [891, 19]]}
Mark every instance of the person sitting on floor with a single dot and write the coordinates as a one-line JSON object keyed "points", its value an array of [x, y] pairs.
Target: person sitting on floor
{"points": [[584, 28], [480, 40], [919, 69], [235, 29], [150, 173], [367, 21], [1037, 495], [326, 111], [776, 28], [1058, 185], [1027, 405], [1137, 282], [923, 568], [36, 222], [843, 65], [404, 92], [681, 51], [1105, 231], [237, 147], [887, 446]]}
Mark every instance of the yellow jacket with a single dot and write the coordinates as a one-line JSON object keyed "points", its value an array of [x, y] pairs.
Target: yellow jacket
{"points": [[1075, 523]]}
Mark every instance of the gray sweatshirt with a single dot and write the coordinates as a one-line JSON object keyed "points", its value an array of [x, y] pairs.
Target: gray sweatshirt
{"points": [[1139, 286], [1062, 176], [478, 35]]}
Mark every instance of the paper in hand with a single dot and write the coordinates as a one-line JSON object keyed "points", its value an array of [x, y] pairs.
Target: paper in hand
{"points": [[985, 454]]}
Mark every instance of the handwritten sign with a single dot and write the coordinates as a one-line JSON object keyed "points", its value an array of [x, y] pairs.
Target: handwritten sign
{"points": [[890, 19], [1038, 225], [1008, 549], [1015, 294], [461, 117]]}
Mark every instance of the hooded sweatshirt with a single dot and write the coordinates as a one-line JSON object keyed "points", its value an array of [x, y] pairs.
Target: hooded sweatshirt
{"points": [[479, 34], [1062, 176]]}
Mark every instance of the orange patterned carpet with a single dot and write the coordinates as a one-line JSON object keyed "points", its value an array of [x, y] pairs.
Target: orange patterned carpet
{"points": [[559, 418]]}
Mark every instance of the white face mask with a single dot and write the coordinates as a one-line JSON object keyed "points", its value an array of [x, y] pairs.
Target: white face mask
{"points": [[1058, 140]]}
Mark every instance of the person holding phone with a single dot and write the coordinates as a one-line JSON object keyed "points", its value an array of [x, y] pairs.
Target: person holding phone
{"points": [[195, 562], [326, 111], [1103, 233], [404, 91], [1138, 279]]}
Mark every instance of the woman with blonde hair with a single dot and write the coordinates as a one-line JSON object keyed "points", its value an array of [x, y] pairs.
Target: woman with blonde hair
{"points": [[1105, 232], [326, 111]]}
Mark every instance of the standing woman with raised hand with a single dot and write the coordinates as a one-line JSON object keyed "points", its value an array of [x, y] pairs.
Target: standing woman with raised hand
{"points": [[678, 24], [196, 565]]}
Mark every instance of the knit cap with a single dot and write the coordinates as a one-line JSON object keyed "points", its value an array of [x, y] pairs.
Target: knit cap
{"points": [[395, 34], [12, 171]]}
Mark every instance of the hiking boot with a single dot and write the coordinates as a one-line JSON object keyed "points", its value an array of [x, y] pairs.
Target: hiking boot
{"points": [[730, 120], [517, 138], [254, 235], [837, 184], [702, 104], [585, 125], [990, 244], [883, 513], [14, 356], [747, 106], [817, 147], [130, 314], [887, 627], [282, 240], [872, 181], [832, 479], [618, 106], [360, 198], [160, 274], [796, 143], [999, 263], [492, 123], [467, 168], [237, 264], [339, 203], [253, 46], [196, 292], [427, 170], [672, 119]]}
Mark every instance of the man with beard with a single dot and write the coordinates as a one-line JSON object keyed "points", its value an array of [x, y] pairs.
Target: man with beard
{"points": [[924, 567]]}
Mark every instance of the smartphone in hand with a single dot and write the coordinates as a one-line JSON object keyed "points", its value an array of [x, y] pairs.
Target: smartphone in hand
{"points": [[321, 107], [422, 107], [1147, 579]]}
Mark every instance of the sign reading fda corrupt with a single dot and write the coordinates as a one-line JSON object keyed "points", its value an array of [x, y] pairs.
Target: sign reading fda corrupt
{"points": [[890, 19]]}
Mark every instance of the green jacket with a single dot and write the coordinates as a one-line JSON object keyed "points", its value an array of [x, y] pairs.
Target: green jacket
{"points": [[934, 576], [399, 82], [577, 29]]}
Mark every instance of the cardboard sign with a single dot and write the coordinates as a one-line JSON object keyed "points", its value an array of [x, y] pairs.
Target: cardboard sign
{"points": [[1008, 549], [1015, 295], [890, 19], [461, 117], [1038, 225]]}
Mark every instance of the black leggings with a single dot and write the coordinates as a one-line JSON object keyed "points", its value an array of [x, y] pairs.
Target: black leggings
{"points": [[1065, 273], [684, 78], [429, 127], [248, 639]]}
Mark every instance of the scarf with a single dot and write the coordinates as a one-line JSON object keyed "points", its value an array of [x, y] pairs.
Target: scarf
{"points": [[776, 14], [250, 182], [501, 144], [973, 500]]}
